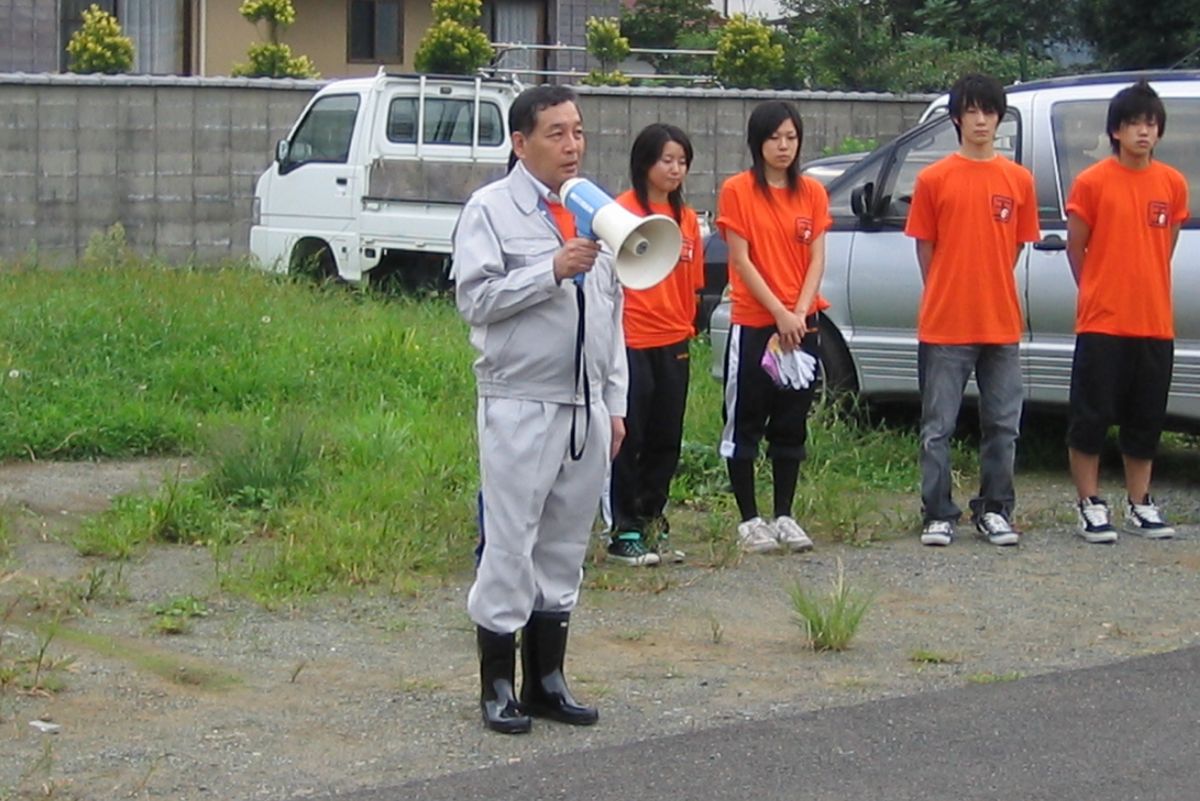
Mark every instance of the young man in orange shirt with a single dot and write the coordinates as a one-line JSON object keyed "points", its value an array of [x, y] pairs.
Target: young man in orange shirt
{"points": [[1123, 219], [970, 214]]}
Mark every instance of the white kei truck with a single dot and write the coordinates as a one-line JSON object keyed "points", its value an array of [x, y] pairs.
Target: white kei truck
{"points": [[371, 178]]}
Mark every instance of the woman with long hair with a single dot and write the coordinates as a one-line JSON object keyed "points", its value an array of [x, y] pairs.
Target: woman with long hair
{"points": [[774, 221], [658, 322]]}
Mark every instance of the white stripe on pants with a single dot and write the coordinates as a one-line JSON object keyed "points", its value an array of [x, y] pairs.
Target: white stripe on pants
{"points": [[538, 508]]}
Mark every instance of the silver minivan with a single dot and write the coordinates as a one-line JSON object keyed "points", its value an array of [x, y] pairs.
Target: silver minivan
{"points": [[1056, 128]]}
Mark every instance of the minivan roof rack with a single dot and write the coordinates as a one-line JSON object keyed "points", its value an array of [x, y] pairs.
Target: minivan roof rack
{"points": [[1107, 77]]}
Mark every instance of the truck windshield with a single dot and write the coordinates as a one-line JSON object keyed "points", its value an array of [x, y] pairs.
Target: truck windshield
{"points": [[325, 132], [447, 122]]}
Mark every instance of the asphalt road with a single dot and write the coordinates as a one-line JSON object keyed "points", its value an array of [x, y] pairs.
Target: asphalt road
{"points": [[1125, 732]]}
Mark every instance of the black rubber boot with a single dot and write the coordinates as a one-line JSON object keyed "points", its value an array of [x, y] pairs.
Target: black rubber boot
{"points": [[497, 701], [544, 691]]}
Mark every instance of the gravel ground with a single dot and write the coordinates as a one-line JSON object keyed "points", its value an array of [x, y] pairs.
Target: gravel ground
{"points": [[362, 690]]}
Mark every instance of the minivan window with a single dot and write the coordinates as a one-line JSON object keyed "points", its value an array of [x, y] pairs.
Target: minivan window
{"points": [[324, 134], [937, 142], [447, 122], [1080, 140]]}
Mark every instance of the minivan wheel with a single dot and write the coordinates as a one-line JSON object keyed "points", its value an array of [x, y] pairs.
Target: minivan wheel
{"points": [[838, 376]]}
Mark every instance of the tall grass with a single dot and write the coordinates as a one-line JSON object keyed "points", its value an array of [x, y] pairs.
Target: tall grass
{"points": [[337, 427]]}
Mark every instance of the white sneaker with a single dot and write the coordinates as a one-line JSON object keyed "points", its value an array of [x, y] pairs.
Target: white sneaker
{"points": [[1145, 520], [937, 532], [756, 536], [1094, 525], [790, 535]]}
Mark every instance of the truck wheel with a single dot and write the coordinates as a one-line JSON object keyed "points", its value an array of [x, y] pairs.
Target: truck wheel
{"points": [[313, 259], [838, 376]]}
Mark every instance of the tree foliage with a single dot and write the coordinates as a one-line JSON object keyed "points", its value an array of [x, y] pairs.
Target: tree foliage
{"points": [[272, 58], [99, 45], [454, 44], [1128, 35], [747, 56]]}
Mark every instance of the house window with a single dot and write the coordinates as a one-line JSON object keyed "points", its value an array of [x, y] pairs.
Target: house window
{"points": [[375, 31]]}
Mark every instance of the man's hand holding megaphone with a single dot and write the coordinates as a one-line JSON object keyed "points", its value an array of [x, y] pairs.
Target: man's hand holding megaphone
{"points": [[575, 257]]}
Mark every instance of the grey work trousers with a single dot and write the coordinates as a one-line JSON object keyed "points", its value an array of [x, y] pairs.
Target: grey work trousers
{"points": [[943, 371], [538, 508]]}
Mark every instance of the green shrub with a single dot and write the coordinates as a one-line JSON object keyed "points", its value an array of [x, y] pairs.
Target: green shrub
{"points": [[746, 55], [454, 44], [272, 59], [606, 44], [99, 46]]}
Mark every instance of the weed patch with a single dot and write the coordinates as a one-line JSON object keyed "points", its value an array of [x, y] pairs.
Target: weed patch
{"points": [[831, 621]]}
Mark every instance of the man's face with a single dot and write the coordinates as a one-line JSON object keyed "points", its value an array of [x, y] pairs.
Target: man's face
{"points": [[1138, 137], [553, 151], [978, 126]]}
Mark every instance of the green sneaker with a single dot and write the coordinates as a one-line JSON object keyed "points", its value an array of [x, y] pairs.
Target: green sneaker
{"points": [[629, 548]]}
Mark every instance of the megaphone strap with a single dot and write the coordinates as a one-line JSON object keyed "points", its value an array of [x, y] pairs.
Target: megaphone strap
{"points": [[581, 373]]}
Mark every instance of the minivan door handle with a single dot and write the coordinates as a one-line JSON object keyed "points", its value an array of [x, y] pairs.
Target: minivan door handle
{"points": [[1051, 242], [341, 181]]}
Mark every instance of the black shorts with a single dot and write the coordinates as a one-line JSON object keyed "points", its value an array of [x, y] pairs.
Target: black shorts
{"points": [[754, 407], [1122, 381]]}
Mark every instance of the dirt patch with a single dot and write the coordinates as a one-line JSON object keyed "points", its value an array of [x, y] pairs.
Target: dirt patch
{"points": [[368, 690]]}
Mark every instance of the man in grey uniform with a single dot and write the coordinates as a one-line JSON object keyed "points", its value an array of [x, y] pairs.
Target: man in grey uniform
{"points": [[545, 313]]}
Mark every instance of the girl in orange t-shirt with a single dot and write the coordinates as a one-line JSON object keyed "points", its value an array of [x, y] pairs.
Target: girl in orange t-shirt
{"points": [[774, 221], [659, 322]]}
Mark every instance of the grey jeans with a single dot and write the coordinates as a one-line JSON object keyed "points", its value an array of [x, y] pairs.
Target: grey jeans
{"points": [[943, 371]]}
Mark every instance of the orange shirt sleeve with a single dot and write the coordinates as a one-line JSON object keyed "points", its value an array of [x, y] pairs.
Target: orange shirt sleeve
{"points": [[691, 233], [1028, 229], [1081, 200], [822, 219], [731, 208], [1180, 212], [922, 215]]}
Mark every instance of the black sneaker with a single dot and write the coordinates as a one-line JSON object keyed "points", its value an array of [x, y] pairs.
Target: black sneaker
{"points": [[1094, 523], [1145, 520], [996, 529], [628, 548]]}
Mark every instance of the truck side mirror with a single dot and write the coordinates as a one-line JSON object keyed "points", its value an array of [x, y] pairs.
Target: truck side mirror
{"points": [[282, 149], [862, 200]]}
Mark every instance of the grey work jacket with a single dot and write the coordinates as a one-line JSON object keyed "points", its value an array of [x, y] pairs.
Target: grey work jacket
{"points": [[523, 322]]}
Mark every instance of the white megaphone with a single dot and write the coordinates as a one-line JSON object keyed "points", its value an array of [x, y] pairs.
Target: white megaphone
{"points": [[646, 249]]}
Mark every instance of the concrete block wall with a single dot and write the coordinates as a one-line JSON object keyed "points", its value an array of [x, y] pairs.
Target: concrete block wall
{"points": [[174, 160], [715, 121], [29, 40]]}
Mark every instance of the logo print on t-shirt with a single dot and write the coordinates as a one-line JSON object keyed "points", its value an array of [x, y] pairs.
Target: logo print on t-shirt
{"points": [[1002, 208], [687, 249], [1158, 214], [804, 230]]}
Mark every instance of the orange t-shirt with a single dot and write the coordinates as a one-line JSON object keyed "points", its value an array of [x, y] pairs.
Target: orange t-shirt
{"points": [[563, 219], [976, 213], [779, 230], [1125, 281], [664, 314]]}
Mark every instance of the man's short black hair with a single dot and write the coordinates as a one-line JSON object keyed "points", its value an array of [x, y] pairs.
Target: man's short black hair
{"points": [[981, 91], [522, 114], [1136, 102]]}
